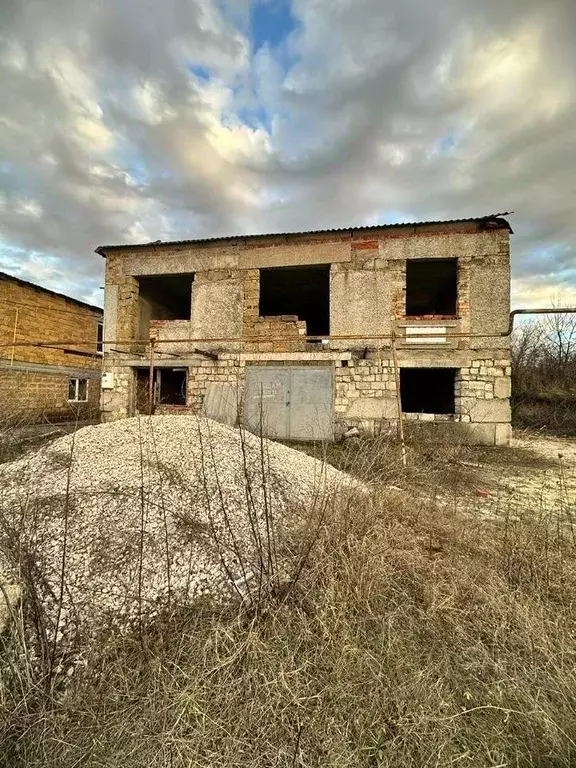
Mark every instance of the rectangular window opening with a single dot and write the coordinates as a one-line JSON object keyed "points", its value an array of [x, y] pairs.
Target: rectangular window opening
{"points": [[428, 390], [300, 291], [99, 337], [77, 390], [431, 287], [170, 386], [164, 297]]}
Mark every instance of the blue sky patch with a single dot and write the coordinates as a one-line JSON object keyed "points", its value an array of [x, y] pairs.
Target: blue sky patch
{"points": [[255, 117], [445, 145], [202, 73], [271, 22]]}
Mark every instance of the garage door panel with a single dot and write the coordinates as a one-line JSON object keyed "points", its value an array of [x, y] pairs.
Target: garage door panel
{"points": [[311, 386], [292, 402], [312, 423], [265, 400]]}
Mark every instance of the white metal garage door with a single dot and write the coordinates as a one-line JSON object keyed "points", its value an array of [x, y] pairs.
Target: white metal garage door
{"points": [[291, 402]]}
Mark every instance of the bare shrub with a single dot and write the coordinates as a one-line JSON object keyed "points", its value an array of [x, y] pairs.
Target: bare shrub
{"points": [[544, 373]]}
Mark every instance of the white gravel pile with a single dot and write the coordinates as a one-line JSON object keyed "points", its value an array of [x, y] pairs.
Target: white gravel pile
{"points": [[154, 507]]}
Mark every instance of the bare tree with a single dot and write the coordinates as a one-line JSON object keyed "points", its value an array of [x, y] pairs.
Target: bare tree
{"points": [[544, 372]]}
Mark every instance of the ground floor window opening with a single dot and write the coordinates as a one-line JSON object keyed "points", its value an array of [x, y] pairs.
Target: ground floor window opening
{"points": [[428, 390]]}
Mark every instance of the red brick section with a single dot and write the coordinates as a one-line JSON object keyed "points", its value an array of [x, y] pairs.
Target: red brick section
{"points": [[368, 245]]}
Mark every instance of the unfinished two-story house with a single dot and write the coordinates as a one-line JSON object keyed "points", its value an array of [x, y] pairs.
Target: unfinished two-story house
{"points": [[305, 335]]}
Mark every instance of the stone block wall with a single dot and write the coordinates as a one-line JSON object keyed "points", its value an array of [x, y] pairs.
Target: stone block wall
{"points": [[35, 314], [38, 395], [366, 397], [229, 371], [277, 328], [119, 402], [170, 329]]}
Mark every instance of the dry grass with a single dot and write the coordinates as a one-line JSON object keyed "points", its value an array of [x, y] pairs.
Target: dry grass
{"points": [[413, 637], [432, 464]]}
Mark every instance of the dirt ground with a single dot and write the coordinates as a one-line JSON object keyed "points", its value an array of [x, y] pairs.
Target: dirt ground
{"points": [[535, 475], [548, 486]]}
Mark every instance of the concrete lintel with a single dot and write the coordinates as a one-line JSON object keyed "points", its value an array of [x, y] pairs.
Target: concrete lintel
{"points": [[433, 357], [159, 362], [295, 356], [424, 321]]}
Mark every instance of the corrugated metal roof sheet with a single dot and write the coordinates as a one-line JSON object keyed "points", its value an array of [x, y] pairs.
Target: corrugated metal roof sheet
{"points": [[493, 218]]}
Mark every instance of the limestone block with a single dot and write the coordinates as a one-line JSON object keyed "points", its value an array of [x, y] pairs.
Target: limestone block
{"points": [[503, 433], [373, 408], [502, 387], [490, 411], [479, 434]]}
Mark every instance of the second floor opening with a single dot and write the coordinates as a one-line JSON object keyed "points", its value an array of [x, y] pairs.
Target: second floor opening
{"points": [[300, 291], [431, 287]]}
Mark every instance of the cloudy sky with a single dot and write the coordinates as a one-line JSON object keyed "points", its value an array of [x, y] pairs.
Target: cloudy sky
{"points": [[137, 120]]}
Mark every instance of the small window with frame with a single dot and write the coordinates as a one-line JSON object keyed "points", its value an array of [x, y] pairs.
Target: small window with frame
{"points": [[100, 337], [77, 390]]}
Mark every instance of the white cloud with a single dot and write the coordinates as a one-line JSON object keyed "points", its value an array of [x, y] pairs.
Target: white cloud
{"points": [[440, 109]]}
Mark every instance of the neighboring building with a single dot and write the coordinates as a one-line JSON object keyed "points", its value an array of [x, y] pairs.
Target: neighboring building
{"points": [[237, 312], [59, 380]]}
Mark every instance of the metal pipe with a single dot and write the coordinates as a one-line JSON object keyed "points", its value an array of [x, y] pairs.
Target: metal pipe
{"points": [[336, 337], [256, 339], [539, 311]]}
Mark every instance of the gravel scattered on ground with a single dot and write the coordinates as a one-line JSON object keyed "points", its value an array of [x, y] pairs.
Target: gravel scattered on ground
{"points": [[154, 508]]}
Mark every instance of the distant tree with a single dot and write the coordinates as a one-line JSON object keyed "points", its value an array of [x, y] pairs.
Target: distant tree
{"points": [[544, 372]]}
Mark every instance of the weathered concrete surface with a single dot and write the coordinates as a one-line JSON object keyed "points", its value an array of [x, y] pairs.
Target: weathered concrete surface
{"points": [[217, 309], [373, 408], [110, 312], [489, 303], [359, 305], [295, 255]]}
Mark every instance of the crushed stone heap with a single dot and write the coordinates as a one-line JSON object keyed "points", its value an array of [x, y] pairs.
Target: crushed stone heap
{"points": [[154, 507]]}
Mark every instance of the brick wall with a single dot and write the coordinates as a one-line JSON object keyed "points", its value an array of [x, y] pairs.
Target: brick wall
{"points": [[35, 396], [39, 315], [34, 380]]}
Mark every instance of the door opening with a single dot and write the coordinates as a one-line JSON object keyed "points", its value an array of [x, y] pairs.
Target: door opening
{"points": [[169, 387]]}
